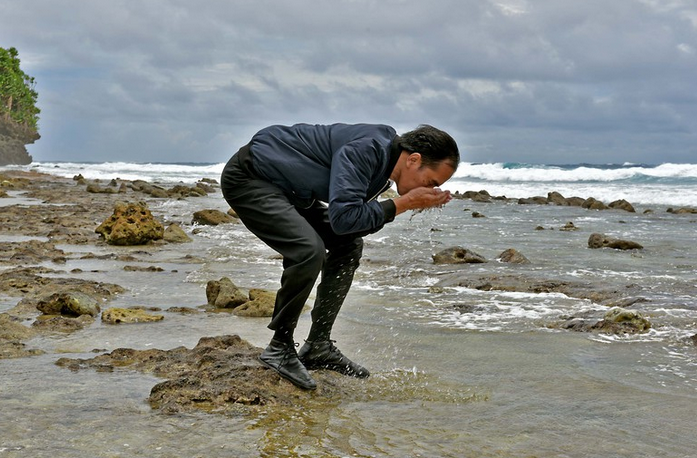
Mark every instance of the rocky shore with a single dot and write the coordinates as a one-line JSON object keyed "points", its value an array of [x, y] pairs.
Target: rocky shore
{"points": [[221, 374]]}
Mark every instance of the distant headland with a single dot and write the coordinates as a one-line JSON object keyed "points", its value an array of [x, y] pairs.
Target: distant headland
{"points": [[13, 138]]}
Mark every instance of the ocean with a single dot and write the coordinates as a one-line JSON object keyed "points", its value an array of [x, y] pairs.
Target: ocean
{"points": [[664, 184], [464, 372]]}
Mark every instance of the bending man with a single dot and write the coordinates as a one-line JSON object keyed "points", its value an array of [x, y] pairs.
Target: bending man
{"points": [[309, 192]]}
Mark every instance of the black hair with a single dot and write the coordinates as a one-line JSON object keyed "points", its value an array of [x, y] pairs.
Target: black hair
{"points": [[434, 145]]}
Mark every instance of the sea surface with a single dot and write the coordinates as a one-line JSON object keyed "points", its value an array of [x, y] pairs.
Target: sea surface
{"points": [[461, 372]]}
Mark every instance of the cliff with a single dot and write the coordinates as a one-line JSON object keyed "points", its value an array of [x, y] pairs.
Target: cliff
{"points": [[13, 137]]}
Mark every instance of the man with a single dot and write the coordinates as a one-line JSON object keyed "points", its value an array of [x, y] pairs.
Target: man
{"points": [[308, 192]]}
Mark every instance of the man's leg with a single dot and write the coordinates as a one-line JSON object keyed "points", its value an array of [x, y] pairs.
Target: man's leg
{"points": [[343, 258], [337, 277], [267, 213]]}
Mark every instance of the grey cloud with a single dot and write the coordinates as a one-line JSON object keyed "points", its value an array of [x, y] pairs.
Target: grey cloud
{"points": [[512, 79]]}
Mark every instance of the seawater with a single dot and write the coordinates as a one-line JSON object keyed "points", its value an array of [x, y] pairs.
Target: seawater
{"points": [[663, 184], [457, 372]]}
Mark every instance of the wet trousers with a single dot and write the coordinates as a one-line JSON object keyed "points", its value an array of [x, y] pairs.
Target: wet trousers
{"points": [[305, 240]]}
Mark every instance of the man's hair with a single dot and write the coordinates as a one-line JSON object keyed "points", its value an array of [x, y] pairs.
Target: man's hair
{"points": [[434, 145]]}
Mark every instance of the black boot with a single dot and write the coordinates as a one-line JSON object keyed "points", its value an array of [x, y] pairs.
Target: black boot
{"points": [[324, 355], [282, 358]]}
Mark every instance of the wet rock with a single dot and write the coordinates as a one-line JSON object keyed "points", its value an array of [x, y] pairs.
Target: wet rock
{"points": [[457, 255], [556, 198], [143, 269], [682, 210], [126, 316], [149, 189], [621, 321], [616, 321], [570, 226], [627, 302], [181, 191], [220, 374], [28, 283], [575, 201], [593, 204], [131, 224], [477, 215], [261, 304], [528, 284], [62, 324], [536, 200], [224, 293], [622, 205], [603, 241], [96, 189], [31, 252], [184, 310], [15, 349], [12, 330], [70, 303], [513, 256], [212, 217], [175, 234]]}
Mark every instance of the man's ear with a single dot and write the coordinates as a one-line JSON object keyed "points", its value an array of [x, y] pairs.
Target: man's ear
{"points": [[414, 159]]}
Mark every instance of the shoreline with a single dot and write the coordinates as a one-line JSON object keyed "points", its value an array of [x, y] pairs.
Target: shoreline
{"points": [[439, 391]]}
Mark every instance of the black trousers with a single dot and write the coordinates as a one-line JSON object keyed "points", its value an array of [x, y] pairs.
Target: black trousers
{"points": [[305, 240]]}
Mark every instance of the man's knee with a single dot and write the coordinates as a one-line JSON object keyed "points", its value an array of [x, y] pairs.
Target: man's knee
{"points": [[346, 254], [311, 255]]}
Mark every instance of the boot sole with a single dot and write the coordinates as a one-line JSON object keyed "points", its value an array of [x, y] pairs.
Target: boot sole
{"points": [[295, 382]]}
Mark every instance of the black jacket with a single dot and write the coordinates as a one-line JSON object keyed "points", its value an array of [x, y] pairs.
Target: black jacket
{"points": [[345, 166]]}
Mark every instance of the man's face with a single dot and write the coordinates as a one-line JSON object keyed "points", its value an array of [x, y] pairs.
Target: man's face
{"points": [[415, 176]]}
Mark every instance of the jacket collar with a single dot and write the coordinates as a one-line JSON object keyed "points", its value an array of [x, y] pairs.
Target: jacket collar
{"points": [[395, 152]]}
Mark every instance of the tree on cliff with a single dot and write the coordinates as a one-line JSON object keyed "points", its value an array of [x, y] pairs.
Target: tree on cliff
{"points": [[17, 94]]}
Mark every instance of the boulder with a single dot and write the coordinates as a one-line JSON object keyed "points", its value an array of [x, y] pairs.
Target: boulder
{"points": [[556, 198], [570, 226], [457, 255], [224, 293], [211, 218], [593, 204], [261, 304], [602, 241], [618, 320], [513, 256], [131, 224], [69, 303], [622, 205], [536, 200], [575, 201], [175, 234]]}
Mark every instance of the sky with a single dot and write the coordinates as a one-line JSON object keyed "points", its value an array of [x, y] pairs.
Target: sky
{"points": [[531, 81]]}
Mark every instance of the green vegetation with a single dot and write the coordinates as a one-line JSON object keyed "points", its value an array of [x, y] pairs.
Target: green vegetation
{"points": [[17, 94]]}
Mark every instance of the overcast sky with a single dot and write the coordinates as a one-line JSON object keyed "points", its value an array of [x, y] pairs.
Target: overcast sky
{"points": [[537, 81]]}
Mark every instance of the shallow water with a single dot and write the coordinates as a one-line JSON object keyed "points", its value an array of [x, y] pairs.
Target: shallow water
{"points": [[488, 379]]}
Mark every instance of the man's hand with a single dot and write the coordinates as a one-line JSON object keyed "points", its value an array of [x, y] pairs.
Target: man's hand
{"points": [[422, 198]]}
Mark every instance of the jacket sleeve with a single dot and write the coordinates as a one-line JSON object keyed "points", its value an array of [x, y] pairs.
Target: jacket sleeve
{"points": [[353, 168]]}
